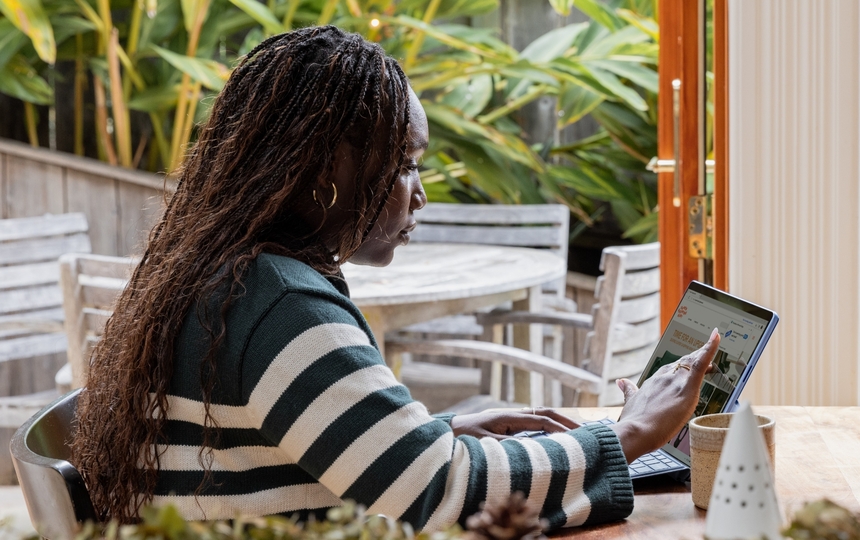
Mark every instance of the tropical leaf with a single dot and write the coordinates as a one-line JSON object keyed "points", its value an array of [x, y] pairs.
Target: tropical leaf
{"points": [[209, 73], [192, 10], [644, 229], [471, 97], [644, 23], [614, 86], [553, 44], [600, 13], [160, 98], [635, 73], [450, 8], [30, 18], [11, 41], [18, 79], [260, 13], [575, 102], [562, 7]]}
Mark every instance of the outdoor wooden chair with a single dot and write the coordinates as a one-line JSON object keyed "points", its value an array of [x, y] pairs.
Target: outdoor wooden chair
{"points": [[541, 226], [624, 329], [90, 284], [54, 491], [32, 341]]}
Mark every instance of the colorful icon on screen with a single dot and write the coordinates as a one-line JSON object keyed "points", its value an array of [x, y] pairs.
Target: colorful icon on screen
{"points": [[728, 333], [746, 336]]}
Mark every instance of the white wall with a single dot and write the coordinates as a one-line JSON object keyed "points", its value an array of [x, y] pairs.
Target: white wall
{"points": [[794, 79]]}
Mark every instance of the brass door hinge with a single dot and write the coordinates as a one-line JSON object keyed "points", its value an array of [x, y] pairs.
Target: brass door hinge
{"points": [[701, 226]]}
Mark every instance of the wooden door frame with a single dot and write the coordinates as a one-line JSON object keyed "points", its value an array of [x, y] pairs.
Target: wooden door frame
{"points": [[681, 58]]}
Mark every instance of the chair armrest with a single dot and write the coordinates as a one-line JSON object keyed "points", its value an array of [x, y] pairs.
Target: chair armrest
{"points": [[576, 320], [567, 375]]}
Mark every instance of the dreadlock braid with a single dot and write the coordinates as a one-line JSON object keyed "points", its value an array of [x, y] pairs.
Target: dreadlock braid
{"points": [[272, 136]]}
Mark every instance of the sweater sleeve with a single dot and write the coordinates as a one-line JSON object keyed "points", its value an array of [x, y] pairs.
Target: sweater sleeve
{"points": [[330, 403]]}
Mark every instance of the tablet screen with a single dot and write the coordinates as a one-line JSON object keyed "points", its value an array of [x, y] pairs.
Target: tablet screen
{"points": [[697, 315]]}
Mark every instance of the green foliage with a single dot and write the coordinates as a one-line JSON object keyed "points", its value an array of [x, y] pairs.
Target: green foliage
{"points": [[165, 57], [348, 522]]}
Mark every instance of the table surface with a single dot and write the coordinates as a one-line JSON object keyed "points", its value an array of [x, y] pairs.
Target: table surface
{"points": [[436, 272], [817, 451]]}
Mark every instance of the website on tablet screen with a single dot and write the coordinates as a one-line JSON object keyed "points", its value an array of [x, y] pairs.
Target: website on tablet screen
{"points": [[691, 326]]}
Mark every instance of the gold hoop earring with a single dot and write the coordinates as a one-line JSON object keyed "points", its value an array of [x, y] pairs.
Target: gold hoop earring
{"points": [[333, 197]]}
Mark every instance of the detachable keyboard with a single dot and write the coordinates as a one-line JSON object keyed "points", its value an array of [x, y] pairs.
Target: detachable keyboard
{"points": [[656, 462]]}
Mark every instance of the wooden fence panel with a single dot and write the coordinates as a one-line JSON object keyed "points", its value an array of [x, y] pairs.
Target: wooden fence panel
{"points": [[96, 197], [121, 205], [139, 208], [33, 188]]}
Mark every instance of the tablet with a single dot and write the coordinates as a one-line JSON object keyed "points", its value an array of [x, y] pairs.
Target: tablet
{"points": [[745, 329]]}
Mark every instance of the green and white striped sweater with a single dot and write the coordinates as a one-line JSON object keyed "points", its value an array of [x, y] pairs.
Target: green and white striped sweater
{"points": [[310, 415]]}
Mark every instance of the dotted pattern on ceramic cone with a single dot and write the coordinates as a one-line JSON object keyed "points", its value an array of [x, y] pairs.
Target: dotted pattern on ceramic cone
{"points": [[743, 487]]}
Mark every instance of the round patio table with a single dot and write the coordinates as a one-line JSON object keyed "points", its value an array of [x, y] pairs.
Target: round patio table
{"points": [[428, 280]]}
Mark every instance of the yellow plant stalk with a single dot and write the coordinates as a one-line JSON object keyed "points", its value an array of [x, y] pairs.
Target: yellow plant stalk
{"points": [[418, 42], [106, 144], [327, 12], [192, 108], [133, 38], [80, 85], [176, 142], [30, 118], [121, 123], [291, 12]]}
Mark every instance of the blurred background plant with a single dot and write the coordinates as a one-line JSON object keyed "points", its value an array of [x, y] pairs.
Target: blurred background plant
{"points": [[145, 72]]}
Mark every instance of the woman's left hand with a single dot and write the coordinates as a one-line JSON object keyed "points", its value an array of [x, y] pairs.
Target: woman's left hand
{"points": [[501, 425]]}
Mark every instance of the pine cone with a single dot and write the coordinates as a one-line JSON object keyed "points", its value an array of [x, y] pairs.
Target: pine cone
{"points": [[515, 519]]}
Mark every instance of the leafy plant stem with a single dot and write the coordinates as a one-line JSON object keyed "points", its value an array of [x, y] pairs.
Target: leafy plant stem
{"points": [[418, 41], [184, 90], [132, 43], [106, 150], [532, 94], [80, 84], [292, 6], [121, 124], [327, 12], [30, 118], [189, 118]]}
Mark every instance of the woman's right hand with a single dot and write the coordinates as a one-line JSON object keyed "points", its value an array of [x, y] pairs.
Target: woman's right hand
{"points": [[657, 411]]}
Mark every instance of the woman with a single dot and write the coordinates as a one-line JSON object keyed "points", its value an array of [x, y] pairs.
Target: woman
{"points": [[236, 375]]}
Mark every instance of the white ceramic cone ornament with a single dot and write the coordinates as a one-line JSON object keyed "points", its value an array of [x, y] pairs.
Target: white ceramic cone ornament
{"points": [[743, 503]]}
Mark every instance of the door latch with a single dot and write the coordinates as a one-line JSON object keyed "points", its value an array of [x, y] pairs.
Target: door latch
{"points": [[701, 222]]}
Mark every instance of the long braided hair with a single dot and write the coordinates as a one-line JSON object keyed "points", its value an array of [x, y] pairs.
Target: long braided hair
{"points": [[271, 139]]}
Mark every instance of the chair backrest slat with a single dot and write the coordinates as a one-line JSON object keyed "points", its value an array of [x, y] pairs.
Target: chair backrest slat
{"points": [[42, 226], [43, 249], [626, 317], [542, 226], [30, 299], [90, 284], [16, 277]]}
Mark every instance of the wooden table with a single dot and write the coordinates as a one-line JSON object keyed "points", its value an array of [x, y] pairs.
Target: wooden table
{"points": [[428, 281], [817, 456]]}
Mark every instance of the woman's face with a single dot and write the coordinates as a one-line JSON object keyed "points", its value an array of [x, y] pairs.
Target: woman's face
{"points": [[396, 220]]}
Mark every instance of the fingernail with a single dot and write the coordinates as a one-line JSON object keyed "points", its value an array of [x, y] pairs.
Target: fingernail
{"points": [[620, 384], [715, 333]]}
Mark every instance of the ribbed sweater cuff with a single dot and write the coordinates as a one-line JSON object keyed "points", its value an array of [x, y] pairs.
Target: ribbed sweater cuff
{"points": [[608, 484], [445, 417]]}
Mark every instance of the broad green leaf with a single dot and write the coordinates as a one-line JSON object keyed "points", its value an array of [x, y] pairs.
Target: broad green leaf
{"points": [[637, 74], [209, 73], [445, 39], [553, 44], [260, 13], [645, 229], [600, 13], [609, 81], [586, 184], [29, 16], [156, 99], [11, 41], [18, 79], [471, 97], [448, 9], [646, 24], [575, 102], [252, 39], [618, 42], [192, 11], [66, 26], [562, 7]]}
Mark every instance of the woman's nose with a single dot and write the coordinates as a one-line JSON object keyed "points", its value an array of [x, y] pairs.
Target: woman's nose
{"points": [[419, 198]]}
